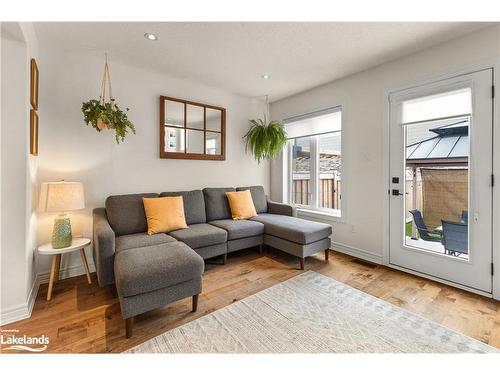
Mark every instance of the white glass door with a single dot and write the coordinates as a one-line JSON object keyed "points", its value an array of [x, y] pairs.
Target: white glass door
{"points": [[441, 179]]}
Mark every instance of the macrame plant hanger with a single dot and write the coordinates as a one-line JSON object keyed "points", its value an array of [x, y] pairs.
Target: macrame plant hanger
{"points": [[267, 114], [106, 79]]}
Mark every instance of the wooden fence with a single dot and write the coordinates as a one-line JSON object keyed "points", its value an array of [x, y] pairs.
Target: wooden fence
{"points": [[329, 192]]}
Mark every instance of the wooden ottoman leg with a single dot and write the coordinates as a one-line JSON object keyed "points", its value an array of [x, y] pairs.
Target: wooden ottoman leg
{"points": [[195, 303], [327, 253], [301, 263], [224, 259], [260, 249], [129, 326]]}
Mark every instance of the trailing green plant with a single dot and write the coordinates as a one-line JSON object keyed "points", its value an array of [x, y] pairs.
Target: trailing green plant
{"points": [[265, 140], [104, 113], [107, 116]]}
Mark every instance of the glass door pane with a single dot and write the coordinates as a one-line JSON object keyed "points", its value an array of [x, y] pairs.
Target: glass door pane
{"points": [[437, 186]]}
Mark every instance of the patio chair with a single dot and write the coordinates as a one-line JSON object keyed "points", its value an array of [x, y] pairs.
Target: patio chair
{"points": [[455, 238], [422, 228], [465, 217]]}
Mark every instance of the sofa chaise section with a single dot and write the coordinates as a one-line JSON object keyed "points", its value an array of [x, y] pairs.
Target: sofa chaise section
{"points": [[284, 231]]}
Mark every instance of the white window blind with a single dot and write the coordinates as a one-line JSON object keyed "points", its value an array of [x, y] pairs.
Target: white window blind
{"points": [[451, 103], [316, 123]]}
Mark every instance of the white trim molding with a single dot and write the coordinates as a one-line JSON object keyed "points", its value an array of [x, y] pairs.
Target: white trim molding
{"points": [[22, 311], [356, 252]]}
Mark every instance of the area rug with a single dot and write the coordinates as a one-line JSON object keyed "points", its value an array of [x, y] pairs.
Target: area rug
{"points": [[312, 313]]}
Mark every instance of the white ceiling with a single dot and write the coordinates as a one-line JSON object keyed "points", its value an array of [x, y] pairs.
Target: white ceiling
{"points": [[233, 56]]}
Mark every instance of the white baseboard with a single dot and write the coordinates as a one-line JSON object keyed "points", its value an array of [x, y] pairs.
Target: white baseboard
{"points": [[23, 311], [357, 253]]}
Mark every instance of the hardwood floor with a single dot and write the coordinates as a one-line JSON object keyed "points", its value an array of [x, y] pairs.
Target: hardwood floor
{"points": [[83, 318]]}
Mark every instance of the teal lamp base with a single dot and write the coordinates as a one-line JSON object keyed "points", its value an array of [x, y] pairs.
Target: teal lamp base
{"points": [[61, 234]]}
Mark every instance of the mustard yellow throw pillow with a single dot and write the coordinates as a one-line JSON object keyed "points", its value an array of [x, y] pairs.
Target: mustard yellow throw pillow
{"points": [[241, 204], [164, 214]]}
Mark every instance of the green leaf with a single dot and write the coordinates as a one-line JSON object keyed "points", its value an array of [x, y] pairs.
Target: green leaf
{"points": [[265, 141], [111, 115]]}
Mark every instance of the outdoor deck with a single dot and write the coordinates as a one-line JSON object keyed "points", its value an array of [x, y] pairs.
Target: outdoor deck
{"points": [[435, 247]]}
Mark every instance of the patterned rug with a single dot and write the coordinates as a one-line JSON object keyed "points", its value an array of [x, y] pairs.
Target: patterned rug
{"points": [[312, 313]]}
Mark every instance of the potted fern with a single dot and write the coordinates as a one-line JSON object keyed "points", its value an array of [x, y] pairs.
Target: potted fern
{"points": [[105, 114], [265, 140]]}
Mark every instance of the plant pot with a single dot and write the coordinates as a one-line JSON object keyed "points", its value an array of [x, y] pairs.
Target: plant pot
{"points": [[101, 125]]}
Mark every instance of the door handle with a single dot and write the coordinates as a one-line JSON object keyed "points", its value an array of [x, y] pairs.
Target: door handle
{"points": [[396, 192]]}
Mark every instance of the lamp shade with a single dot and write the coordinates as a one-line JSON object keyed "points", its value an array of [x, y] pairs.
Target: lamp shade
{"points": [[61, 196]]}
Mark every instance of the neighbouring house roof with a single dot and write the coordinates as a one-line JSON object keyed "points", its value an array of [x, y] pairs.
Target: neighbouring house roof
{"points": [[449, 143], [328, 164]]}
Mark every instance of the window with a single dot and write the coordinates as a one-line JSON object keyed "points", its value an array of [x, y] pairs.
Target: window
{"points": [[315, 160]]}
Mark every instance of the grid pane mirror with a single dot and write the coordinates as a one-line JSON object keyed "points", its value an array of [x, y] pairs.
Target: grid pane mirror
{"points": [[190, 130]]}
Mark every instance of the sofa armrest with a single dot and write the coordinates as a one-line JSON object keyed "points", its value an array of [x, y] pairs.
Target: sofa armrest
{"points": [[104, 247], [281, 208]]}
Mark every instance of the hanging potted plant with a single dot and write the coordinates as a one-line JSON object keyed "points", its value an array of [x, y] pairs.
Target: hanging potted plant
{"points": [[265, 140], [104, 113]]}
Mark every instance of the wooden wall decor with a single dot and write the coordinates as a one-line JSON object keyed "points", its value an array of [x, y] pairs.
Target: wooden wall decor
{"points": [[34, 85], [34, 108], [190, 130], [33, 132]]}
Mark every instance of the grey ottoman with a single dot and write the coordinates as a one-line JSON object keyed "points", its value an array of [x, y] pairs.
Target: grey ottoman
{"points": [[154, 276]]}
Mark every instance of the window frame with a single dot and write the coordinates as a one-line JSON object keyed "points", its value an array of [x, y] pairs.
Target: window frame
{"points": [[313, 210]]}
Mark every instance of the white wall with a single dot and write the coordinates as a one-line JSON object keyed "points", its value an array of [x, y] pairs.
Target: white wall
{"points": [[70, 150], [364, 98], [18, 170]]}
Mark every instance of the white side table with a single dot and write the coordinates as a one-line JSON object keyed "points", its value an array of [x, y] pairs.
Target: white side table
{"points": [[78, 243]]}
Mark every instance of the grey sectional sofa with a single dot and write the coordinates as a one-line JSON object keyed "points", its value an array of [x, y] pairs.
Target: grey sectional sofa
{"points": [[152, 271]]}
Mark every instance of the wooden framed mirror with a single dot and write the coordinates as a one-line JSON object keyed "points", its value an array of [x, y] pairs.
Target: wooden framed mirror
{"points": [[190, 130]]}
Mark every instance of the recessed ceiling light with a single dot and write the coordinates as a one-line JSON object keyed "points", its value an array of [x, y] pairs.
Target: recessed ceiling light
{"points": [[265, 76], [150, 36]]}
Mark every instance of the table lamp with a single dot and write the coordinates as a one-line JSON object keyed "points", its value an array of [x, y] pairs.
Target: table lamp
{"points": [[61, 197]]}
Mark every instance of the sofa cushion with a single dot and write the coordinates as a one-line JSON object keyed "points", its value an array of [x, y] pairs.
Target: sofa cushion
{"points": [[216, 203], [258, 196], [145, 269], [241, 204], [239, 228], [164, 214], [130, 241], [126, 213], [200, 235], [194, 205], [293, 229]]}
